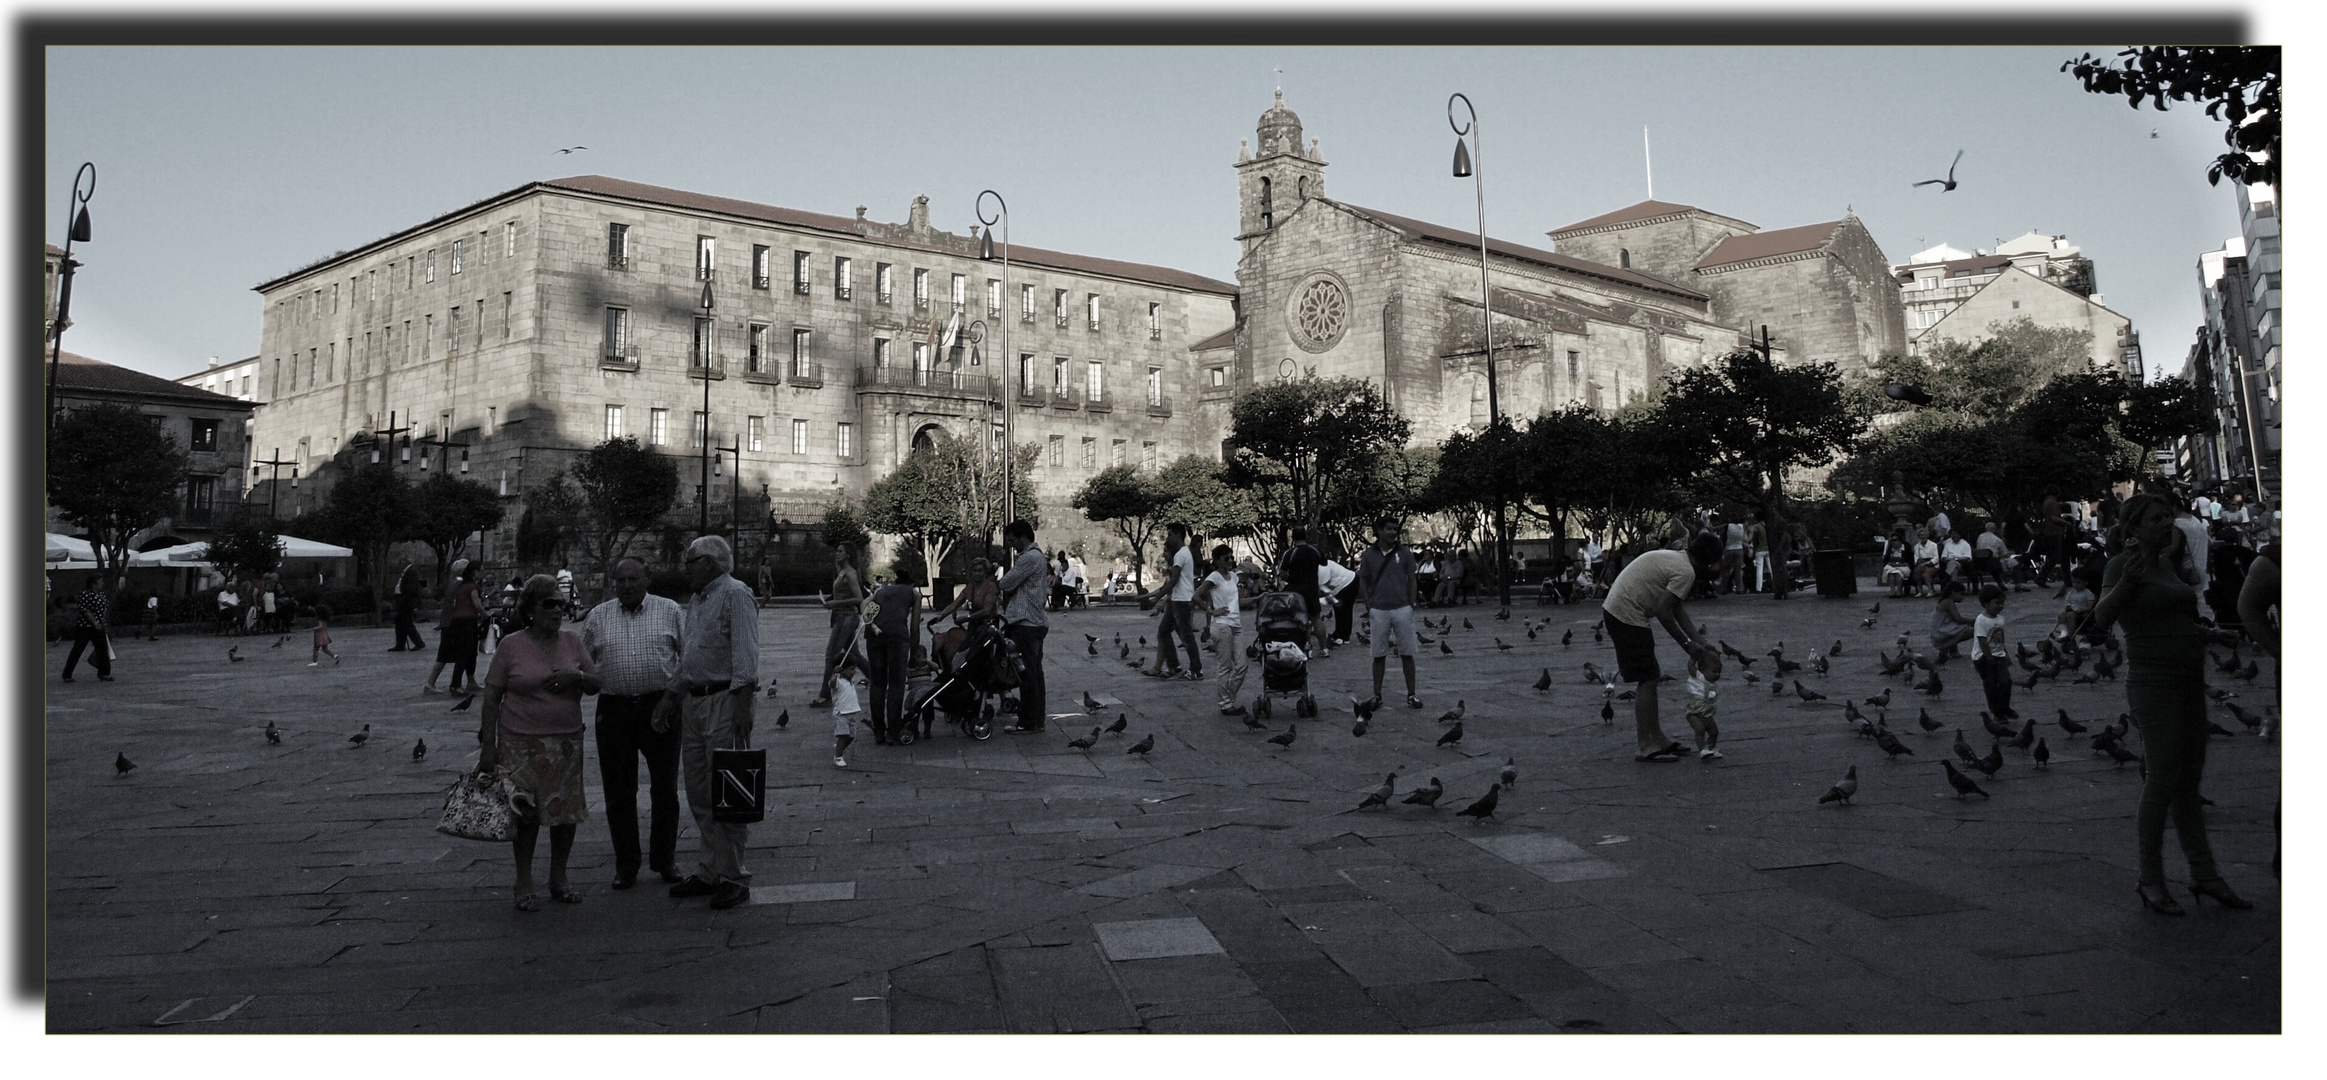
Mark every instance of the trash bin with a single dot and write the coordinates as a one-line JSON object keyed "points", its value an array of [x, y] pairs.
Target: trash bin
{"points": [[1836, 575]]}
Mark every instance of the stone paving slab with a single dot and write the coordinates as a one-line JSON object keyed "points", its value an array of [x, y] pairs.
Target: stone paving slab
{"points": [[960, 886]]}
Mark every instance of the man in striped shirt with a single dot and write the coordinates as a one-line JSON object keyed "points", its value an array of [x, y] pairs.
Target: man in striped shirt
{"points": [[634, 639], [718, 674]]}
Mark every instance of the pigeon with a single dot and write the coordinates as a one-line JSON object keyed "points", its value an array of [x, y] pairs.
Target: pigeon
{"points": [[1962, 748], [2219, 694], [1729, 650], [1805, 693], [2217, 729], [2104, 668], [2252, 722], [274, 738], [1818, 663], [361, 737], [1630, 694], [1931, 688], [1427, 796], [1453, 715], [1947, 184], [2086, 679], [1091, 704], [1993, 761], [1292, 731], [1867, 623], [2118, 753], [1445, 649], [463, 704], [1500, 646], [1866, 729], [1122, 721], [1995, 727], [1962, 784], [122, 764], [231, 657], [1882, 700], [1891, 744], [2228, 665], [1143, 745], [1544, 683], [1835, 651], [1364, 710], [1503, 614], [1125, 653], [1607, 712], [1143, 641], [1597, 637], [1485, 807], [1466, 623], [1093, 648], [279, 642], [1592, 674], [1787, 667], [1877, 609], [1453, 735], [1510, 774], [1568, 638], [2026, 737], [1850, 711], [1890, 666], [419, 749], [2028, 683], [1923, 720], [1086, 742], [2251, 670], [1751, 678], [1530, 633], [2070, 726], [771, 695], [783, 719], [1381, 796], [1092, 638], [1118, 637], [1358, 730], [1843, 789], [1777, 687], [2042, 754]]}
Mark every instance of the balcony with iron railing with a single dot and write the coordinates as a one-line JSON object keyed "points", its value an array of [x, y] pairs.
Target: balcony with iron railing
{"points": [[1032, 396], [1065, 399], [946, 382], [759, 281], [1158, 407], [801, 285], [804, 373], [621, 356], [884, 296], [842, 292], [1100, 402], [617, 262]]}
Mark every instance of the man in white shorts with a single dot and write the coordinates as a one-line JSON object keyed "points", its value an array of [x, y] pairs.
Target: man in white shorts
{"points": [[1385, 581]]}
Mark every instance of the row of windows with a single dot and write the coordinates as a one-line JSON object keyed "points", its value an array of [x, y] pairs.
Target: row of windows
{"points": [[757, 434], [1055, 452], [389, 347], [884, 281], [418, 269]]}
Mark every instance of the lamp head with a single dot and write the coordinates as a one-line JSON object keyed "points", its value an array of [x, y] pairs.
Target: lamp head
{"points": [[80, 232], [294, 477], [986, 246], [464, 461], [705, 302], [1462, 158]]}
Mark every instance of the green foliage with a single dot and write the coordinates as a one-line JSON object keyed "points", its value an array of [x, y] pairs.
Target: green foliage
{"points": [[368, 508], [1118, 497], [1293, 443], [1396, 482], [947, 490], [1995, 376], [2158, 413], [2238, 84], [554, 515], [1736, 425], [114, 473], [446, 511], [624, 489], [245, 548], [843, 524], [1194, 491]]}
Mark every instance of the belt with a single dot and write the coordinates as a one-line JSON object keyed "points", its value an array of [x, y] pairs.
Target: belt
{"points": [[648, 696], [719, 687]]}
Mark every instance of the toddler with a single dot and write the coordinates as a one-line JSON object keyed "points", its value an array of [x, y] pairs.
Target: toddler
{"points": [[846, 711], [1699, 709], [322, 638], [1987, 652]]}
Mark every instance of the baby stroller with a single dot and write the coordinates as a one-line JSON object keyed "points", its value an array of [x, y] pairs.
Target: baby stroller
{"points": [[969, 691], [1281, 641]]}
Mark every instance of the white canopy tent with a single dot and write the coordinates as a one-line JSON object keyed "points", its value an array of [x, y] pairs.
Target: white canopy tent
{"points": [[190, 555], [61, 548]]}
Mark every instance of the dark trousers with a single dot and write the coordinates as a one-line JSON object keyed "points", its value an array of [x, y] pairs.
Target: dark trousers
{"points": [[406, 629], [885, 676], [93, 639], [1032, 694], [1343, 607], [626, 731], [2174, 726], [1996, 681], [1179, 618], [838, 646]]}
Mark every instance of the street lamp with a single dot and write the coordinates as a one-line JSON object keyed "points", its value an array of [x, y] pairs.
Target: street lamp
{"points": [[986, 251], [734, 487], [1469, 160], [703, 437], [76, 228]]}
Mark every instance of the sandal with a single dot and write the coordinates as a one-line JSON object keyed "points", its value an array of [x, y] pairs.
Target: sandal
{"points": [[528, 902], [566, 896]]}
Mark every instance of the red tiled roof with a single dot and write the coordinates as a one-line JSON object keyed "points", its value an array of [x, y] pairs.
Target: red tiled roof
{"points": [[1508, 249], [77, 372], [1221, 340], [1639, 211], [1752, 246]]}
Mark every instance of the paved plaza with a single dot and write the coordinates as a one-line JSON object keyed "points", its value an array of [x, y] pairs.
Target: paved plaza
{"points": [[1219, 884]]}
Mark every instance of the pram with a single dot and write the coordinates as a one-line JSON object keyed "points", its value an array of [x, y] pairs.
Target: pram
{"points": [[969, 691], [1281, 641]]}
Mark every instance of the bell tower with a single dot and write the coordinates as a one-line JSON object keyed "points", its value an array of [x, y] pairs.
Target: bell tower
{"points": [[1273, 182]]}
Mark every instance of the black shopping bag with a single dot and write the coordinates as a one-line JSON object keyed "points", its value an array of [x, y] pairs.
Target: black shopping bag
{"points": [[739, 780]]}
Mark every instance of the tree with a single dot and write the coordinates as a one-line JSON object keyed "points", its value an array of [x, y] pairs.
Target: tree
{"points": [[2172, 408], [1476, 471], [1991, 378], [1747, 420], [554, 514], [114, 473], [624, 490], [1629, 478], [1304, 436], [1117, 497], [368, 509], [2239, 84], [947, 490], [1556, 470], [1194, 492], [446, 510], [245, 548], [842, 524]]}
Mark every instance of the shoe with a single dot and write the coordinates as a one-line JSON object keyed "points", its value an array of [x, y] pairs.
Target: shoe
{"points": [[839, 762], [1193, 676], [104, 678], [311, 663], [730, 894], [2218, 891], [1413, 702], [821, 703], [1236, 710], [398, 648], [625, 880], [1020, 729], [669, 875], [2162, 903], [693, 886], [66, 678], [1708, 754]]}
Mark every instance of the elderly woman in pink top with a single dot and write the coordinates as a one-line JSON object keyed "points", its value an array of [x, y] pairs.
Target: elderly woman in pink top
{"points": [[533, 725]]}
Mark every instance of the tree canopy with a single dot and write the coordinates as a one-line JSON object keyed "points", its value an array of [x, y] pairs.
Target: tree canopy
{"points": [[2238, 84], [623, 489], [947, 490], [1739, 423], [245, 548], [1118, 498], [446, 511], [367, 509], [1293, 442], [1992, 377], [113, 472]]}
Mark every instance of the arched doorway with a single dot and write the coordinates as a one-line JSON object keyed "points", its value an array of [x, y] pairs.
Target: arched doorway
{"points": [[926, 437]]}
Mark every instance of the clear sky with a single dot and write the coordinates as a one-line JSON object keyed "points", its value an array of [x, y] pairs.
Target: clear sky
{"points": [[223, 167]]}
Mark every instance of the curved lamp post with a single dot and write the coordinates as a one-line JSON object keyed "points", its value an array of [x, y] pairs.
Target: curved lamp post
{"points": [[76, 229], [703, 493], [1009, 362], [1469, 160]]}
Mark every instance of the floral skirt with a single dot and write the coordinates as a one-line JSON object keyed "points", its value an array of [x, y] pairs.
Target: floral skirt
{"points": [[548, 770]]}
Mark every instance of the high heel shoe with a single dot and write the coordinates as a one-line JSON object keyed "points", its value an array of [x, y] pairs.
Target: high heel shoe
{"points": [[2218, 891], [2163, 902]]}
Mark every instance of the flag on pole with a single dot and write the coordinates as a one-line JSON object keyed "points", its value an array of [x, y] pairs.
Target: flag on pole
{"points": [[952, 330]]}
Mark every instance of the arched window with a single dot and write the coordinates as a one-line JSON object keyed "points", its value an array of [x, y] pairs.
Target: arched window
{"points": [[1301, 188], [1624, 258], [1267, 210]]}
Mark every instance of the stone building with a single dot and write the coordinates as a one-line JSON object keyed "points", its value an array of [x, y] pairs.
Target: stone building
{"points": [[2013, 293], [1935, 281], [208, 426], [510, 333]]}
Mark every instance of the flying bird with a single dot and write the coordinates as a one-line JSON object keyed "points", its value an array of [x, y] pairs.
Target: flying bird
{"points": [[1544, 683], [1843, 789], [1962, 784], [274, 738], [463, 704], [1086, 742], [1453, 715], [359, 738], [1122, 721], [1485, 807], [1292, 731], [419, 749], [1427, 796], [571, 149], [1453, 735], [1364, 710], [1381, 796], [1947, 184], [122, 764], [1143, 745]]}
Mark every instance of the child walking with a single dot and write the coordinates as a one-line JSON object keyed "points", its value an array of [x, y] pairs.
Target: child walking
{"points": [[1987, 652], [322, 638], [846, 711], [1699, 709]]}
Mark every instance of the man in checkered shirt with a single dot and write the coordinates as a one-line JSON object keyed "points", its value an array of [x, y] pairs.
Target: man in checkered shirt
{"points": [[634, 639]]}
